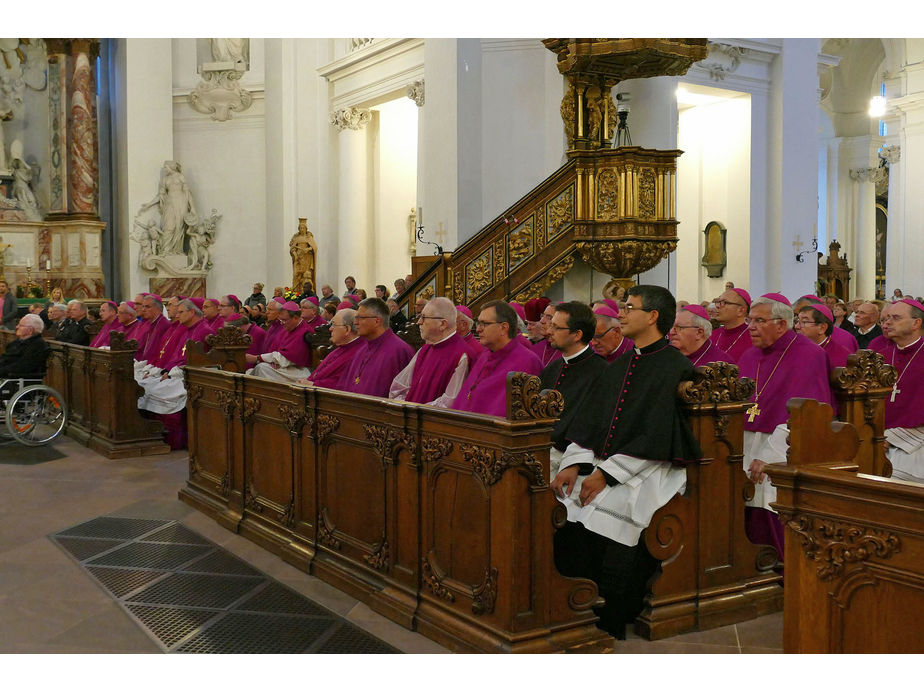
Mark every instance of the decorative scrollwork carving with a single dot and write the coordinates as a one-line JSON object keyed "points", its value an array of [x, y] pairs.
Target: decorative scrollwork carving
{"points": [[251, 496], [378, 559], [228, 335], [435, 584], [837, 544], [715, 383], [646, 194], [385, 440], [228, 401], [326, 425], [720, 423], [326, 533], [287, 516], [432, 449], [560, 212], [554, 274], [526, 400], [520, 243], [484, 462], [194, 467], [625, 258], [250, 407], [478, 275], [525, 462], [194, 393], [458, 287], [294, 418], [484, 596], [500, 271], [224, 486], [865, 371], [664, 536], [117, 342], [607, 195]]}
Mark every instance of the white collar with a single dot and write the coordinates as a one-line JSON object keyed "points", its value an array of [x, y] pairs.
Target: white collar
{"points": [[569, 359]]}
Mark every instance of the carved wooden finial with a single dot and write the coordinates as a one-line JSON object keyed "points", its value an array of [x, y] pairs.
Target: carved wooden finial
{"points": [[866, 371], [117, 342], [525, 400], [814, 438], [228, 336], [715, 383]]}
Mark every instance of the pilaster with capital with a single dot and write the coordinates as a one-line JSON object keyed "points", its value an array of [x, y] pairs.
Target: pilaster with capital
{"points": [[866, 179], [415, 92], [350, 118]]}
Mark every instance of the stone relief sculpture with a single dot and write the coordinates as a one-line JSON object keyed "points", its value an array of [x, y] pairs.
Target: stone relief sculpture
{"points": [[222, 62], [174, 240]]}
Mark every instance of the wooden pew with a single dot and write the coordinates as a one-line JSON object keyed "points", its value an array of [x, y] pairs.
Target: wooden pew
{"points": [[860, 389], [711, 575], [99, 389], [440, 520], [225, 349], [854, 544]]}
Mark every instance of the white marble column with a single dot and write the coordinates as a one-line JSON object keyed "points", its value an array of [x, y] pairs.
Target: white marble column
{"points": [[907, 209], [864, 283], [354, 215], [143, 134]]}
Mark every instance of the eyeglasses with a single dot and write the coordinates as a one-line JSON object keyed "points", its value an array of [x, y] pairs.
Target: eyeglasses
{"points": [[558, 329], [686, 327], [598, 337], [719, 303], [806, 322], [483, 323], [428, 317], [759, 321], [629, 308]]}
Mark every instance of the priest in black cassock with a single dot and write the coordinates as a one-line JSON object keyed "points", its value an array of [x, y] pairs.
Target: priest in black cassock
{"points": [[628, 440], [570, 331]]}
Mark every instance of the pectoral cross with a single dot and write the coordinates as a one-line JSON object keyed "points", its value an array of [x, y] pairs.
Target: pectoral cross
{"points": [[895, 391], [357, 380], [183, 352], [752, 412]]}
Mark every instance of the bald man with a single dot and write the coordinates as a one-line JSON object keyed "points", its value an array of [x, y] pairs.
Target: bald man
{"points": [[435, 373], [866, 323]]}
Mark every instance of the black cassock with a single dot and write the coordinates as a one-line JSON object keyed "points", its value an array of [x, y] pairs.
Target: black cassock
{"points": [[631, 409], [573, 380], [24, 358]]}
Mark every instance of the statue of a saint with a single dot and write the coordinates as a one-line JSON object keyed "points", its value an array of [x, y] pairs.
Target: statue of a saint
{"points": [[302, 248], [5, 114], [22, 190], [230, 50], [177, 210]]}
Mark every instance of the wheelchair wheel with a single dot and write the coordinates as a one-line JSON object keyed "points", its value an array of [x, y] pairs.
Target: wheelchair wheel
{"points": [[36, 415]]}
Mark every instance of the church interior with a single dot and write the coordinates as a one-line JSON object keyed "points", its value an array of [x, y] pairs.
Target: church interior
{"points": [[470, 168]]}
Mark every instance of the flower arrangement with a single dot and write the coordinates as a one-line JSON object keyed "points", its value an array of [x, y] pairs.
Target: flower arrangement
{"points": [[291, 294]]}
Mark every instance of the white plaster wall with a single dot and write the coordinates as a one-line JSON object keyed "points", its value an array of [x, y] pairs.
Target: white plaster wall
{"points": [[713, 184], [522, 133], [395, 190], [143, 139]]}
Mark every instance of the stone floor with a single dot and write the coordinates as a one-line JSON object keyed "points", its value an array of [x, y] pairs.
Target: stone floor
{"points": [[49, 604]]}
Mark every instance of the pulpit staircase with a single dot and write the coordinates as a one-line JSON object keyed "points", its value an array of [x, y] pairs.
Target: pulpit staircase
{"points": [[613, 208]]}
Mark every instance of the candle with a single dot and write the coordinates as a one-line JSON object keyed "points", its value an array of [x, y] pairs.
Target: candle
{"points": [[48, 265]]}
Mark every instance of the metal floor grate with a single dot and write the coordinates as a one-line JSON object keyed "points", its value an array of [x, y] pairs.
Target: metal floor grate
{"points": [[192, 596]]}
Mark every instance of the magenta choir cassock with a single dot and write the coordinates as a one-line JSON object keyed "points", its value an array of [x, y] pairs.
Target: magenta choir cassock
{"points": [[376, 365], [331, 370], [734, 342], [434, 366], [484, 390]]}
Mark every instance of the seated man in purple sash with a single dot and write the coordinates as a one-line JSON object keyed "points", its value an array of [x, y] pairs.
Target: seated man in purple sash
{"points": [[691, 336], [732, 337], [211, 311], [783, 364], [381, 357], [485, 389], [544, 348], [309, 308], [608, 340], [436, 372], [838, 335], [344, 336], [464, 323], [229, 308], [109, 316], [288, 360], [816, 321], [129, 324], [153, 329], [162, 377], [257, 334], [904, 407]]}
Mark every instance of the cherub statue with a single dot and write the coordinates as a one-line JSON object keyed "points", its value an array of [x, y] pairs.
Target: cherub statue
{"points": [[201, 237]]}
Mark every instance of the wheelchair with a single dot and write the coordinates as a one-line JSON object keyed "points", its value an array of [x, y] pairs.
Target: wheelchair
{"points": [[31, 413]]}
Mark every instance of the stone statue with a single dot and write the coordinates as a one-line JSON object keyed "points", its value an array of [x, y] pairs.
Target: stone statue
{"points": [[177, 211], [22, 189], [230, 50], [302, 248], [5, 114], [200, 238], [3, 249]]}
